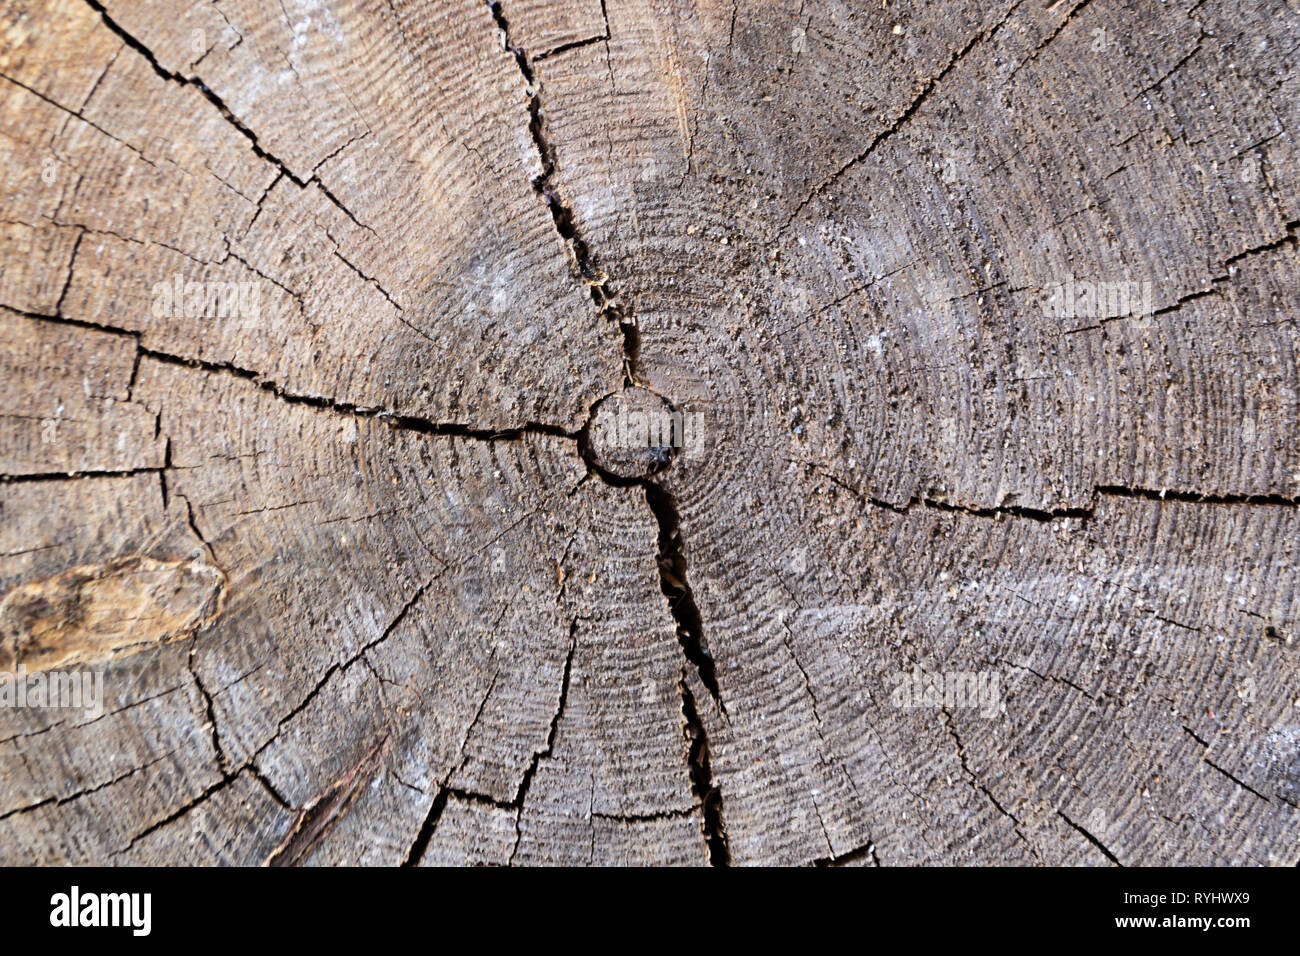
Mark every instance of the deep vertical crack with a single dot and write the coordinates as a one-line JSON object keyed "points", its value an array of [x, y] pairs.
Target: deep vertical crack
{"points": [[702, 785], [595, 278], [422, 838], [689, 626], [671, 561], [690, 635], [677, 589], [522, 792], [671, 557]]}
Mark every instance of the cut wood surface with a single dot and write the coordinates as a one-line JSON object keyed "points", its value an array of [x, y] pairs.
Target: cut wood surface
{"points": [[614, 432]]}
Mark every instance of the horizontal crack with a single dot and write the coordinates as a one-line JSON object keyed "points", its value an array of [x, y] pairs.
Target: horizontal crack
{"points": [[69, 475], [1229, 270], [865, 851], [413, 423], [1057, 514]]}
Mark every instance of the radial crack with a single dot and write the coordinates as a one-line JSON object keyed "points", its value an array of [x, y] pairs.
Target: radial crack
{"points": [[702, 785], [596, 279], [227, 114]]}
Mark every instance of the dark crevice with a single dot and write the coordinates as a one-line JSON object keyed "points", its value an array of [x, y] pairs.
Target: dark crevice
{"points": [[1042, 44], [676, 588], [702, 786], [413, 423], [923, 501], [572, 45], [482, 799], [421, 844], [1192, 497], [179, 812], [217, 749], [674, 585], [189, 518], [457, 430], [403, 422], [77, 113], [899, 121], [700, 779], [866, 851], [671, 558], [1101, 491], [374, 283], [422, 838], [979, 786], [439, 804], [66, 475], [66, 320], [60, 801], [595, 278], [67, 282], [1090, 838], [130, 382], [631, 351], [1178, 65], [342, 668], [1288, 238], [1229, 264], [1057, 514], [521, 793], [516, 804], [1014, 511], [163, 490], [269, 787], [226, 113], [297, 298], [1244, 786], [646, 817], [1051, 678]]}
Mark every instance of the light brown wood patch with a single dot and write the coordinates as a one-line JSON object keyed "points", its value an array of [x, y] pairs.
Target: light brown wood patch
{"points": [[96, 612]]}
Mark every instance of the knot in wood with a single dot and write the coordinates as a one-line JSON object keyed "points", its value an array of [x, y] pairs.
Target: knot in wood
{"points": [[633, 433]]}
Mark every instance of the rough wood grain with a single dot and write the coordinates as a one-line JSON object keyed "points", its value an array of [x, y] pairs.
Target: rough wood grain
{"points": [[343, 347]]}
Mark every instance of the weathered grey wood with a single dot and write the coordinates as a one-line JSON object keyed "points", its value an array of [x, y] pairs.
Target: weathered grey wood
{"points": [[370, 578]]}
